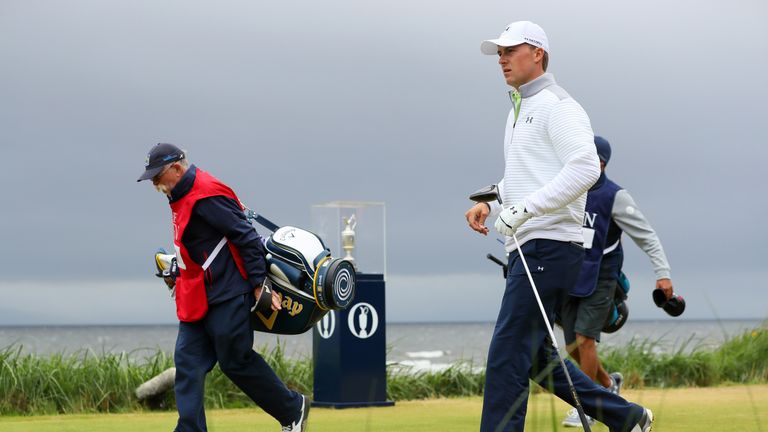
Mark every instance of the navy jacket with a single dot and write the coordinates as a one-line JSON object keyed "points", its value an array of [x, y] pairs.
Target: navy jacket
{"points": [[212, 218]]}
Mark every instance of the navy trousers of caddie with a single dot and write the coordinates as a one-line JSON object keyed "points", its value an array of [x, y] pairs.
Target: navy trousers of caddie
{"points": [[521, 348], [225, 335]]}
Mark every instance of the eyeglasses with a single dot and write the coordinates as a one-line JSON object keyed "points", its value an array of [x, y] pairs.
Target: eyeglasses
{"points": [[156, 179]]}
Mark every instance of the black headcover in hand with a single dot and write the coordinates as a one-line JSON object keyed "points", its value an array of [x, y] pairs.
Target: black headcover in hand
{"points": [[674, 306]]}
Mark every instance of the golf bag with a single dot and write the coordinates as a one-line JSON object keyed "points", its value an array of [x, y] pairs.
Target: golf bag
{"points": [[310, 281], [302, 271]]}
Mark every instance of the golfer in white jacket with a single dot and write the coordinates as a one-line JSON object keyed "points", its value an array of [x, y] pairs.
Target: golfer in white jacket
{"points": [[550, 163]]}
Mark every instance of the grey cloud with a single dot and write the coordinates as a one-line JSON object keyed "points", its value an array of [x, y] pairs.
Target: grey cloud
{"points": [[295, 104]]}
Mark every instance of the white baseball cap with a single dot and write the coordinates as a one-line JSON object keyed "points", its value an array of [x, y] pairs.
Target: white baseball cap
{"points": [[518, 32]]}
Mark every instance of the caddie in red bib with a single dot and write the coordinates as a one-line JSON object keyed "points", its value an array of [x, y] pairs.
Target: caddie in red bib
{"points": [[221, 272]]}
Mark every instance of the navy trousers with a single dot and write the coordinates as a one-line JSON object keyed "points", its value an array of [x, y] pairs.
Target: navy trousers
{"points": [[521, 348], [225, 335]]}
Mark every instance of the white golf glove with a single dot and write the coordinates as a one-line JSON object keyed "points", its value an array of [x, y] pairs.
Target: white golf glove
{"points": [[511, 218]]}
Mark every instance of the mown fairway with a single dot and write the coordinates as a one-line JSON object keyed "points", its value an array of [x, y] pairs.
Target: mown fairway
{"points": [[735, 408]]}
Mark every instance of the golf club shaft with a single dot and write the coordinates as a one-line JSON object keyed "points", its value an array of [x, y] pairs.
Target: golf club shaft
{"points": [[579, 408], [496, 260]]}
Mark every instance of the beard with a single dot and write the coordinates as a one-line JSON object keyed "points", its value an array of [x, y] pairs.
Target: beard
{"points": [[163, 189]]}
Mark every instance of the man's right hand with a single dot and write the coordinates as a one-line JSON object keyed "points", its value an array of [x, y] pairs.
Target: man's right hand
{"points": [[476, 217], [665, 284], [277, 299]]}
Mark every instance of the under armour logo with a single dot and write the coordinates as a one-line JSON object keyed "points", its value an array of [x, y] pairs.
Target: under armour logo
{"points": [[540, 268], [529, 119]]}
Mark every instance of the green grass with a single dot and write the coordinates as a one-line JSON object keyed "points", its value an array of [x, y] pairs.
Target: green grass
{"points": [[88, 383], [741, 359], [460, 379], [84, 382], [722, 409]]}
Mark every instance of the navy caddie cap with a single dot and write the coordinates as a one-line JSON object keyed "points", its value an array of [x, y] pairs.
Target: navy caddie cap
{"points": [[603, 149], [159, 156]]}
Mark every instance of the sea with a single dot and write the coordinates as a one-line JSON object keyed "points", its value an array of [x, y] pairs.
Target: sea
{"points": [[419, 346]]}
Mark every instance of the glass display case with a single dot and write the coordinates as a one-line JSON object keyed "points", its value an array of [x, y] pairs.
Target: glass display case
{"points": [[355, 230]]}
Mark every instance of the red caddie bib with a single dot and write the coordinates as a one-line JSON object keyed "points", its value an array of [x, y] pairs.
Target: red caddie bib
{"points": [[191, 298]]}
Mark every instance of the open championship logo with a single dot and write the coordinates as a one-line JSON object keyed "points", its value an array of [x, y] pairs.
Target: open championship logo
{"points": [[327, 325], [363, 320]]}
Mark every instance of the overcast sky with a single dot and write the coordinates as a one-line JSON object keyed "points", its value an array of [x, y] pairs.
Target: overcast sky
{"points": [[297, 103]]}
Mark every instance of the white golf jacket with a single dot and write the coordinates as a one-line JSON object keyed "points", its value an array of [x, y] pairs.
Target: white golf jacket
{"points": [[550, 163]]}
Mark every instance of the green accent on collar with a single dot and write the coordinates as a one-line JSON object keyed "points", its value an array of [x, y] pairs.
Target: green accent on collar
{"points": [[516, 99]]}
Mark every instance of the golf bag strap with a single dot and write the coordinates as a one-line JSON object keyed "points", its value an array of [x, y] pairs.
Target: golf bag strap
{"points": [[264, 301], [215, 252], [612, 247], [252, 216]]}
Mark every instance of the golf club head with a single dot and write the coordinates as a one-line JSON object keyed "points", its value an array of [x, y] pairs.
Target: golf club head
{"points": [[486, 194], [675, 306], [167, 268]]}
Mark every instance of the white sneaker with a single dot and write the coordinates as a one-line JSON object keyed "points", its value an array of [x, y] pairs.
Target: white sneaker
{"points": [[646, 422], [572, 419], [300, 425], [617, 379]]}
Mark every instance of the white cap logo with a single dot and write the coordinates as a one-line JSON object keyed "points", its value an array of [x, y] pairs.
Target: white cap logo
{"points": [[363, 320], [517, 33]]}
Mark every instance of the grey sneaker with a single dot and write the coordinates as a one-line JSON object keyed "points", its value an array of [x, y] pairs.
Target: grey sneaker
{"points": [[617, 379], [300, 425], [646, 422], [572, 419]]}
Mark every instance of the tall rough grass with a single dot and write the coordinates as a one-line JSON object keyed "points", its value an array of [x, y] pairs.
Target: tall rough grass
{"points": [[85, 382], [741, 359], [460, 379], [81, 382]]}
